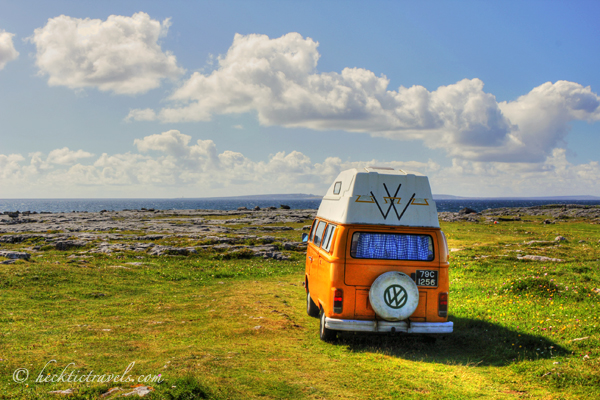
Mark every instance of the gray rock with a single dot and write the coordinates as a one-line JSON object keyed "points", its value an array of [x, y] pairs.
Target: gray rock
{"points": [[14, 255], [267, 239], [539, 258], [69, 244], [220, 239], [150, 237], [66, 392], [169, 250], [508, 219], [223, 246], [268, 247], [17, 238], [272, 254], [139, 391], [447, 216], [277, 228], [538, 242]]}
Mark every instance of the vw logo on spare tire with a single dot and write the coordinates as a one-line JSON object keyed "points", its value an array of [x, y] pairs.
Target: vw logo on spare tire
{"points": [[394, 296]]}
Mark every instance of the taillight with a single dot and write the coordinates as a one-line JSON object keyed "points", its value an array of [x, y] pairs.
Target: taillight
{"points": [[338, 299], [443, 305]]}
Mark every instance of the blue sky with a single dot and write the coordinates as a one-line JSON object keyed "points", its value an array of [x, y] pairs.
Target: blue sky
{"points": [[157, 99]]}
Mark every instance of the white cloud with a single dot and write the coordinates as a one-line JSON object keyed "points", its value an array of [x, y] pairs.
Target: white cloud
{"points": [[277, 79], [170, 164], [10, 165], [555, 176], [16, 173], [146, 114], [8, 52], [170, 161], [121, 54], [541, 118], [65, 156], [171, 142]]}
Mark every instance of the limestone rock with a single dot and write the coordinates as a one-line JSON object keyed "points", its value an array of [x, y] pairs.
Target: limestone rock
{"points": [[65, 392], [174, 251], [140, 391], [69, 244], [14, 255], [539, 258]]}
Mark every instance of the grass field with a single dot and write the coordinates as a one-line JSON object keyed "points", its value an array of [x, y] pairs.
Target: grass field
{"points": [[205, 326]]}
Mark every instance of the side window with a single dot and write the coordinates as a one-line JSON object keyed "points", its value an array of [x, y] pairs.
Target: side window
{"points": [[312, 230], [327, 237], [319, 233], [337, 187]]}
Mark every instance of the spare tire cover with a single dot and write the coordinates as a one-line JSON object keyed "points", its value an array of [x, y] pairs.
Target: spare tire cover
{"points": [[394, 296]]}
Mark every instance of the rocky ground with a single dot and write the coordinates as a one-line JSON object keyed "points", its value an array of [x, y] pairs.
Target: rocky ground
{"points": [[553, 212], [252, 232]]}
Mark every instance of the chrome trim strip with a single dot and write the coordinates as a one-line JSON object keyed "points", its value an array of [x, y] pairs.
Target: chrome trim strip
{"points": [[354, 325]]}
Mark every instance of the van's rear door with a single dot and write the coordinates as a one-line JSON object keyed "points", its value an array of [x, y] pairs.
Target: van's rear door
{"points": [[366, 260]]}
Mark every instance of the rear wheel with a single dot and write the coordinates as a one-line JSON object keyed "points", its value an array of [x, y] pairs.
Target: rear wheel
{"points": [[326, 334], [311, 308]]}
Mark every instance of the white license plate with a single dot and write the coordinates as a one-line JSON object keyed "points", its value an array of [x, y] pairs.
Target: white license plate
{"points": [[426, 278]]}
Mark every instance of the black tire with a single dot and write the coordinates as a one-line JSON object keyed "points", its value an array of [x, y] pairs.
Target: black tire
{"points": [[325, 334], [311, 308]]}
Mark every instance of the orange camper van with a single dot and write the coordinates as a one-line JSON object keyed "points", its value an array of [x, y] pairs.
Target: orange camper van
{"points": [[376, 259]]}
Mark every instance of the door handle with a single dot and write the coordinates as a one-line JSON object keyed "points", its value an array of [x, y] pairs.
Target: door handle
{"points": [[310, 258]]}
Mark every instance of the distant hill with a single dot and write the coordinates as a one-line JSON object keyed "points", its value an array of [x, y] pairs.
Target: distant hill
{"points": [[302, 196], [292, 196], [562, 198], [447, 197]]}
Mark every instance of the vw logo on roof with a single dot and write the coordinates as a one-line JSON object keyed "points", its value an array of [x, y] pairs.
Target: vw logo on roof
{"points": [[395, 296]]}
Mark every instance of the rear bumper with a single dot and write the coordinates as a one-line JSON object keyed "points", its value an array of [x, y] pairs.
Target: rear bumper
{"points": [[355, 325]]}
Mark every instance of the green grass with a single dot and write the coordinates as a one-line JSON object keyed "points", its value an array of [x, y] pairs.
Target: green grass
{"points": [[224, 327]]}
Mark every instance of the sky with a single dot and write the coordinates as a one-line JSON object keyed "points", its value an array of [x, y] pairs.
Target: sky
{"points": [[154, 99]]}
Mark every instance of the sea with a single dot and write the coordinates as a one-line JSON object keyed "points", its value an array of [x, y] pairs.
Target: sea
{"points": [[95, 205]]}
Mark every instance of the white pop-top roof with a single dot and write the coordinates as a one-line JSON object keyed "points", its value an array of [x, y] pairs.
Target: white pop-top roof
{"points": [[382, 196]]}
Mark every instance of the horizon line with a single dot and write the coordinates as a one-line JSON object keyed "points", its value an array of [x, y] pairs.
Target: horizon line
{"points": [[304, 196]]}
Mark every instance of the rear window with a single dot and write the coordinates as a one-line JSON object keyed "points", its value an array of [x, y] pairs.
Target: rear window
{"points": [[392, 246]]}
